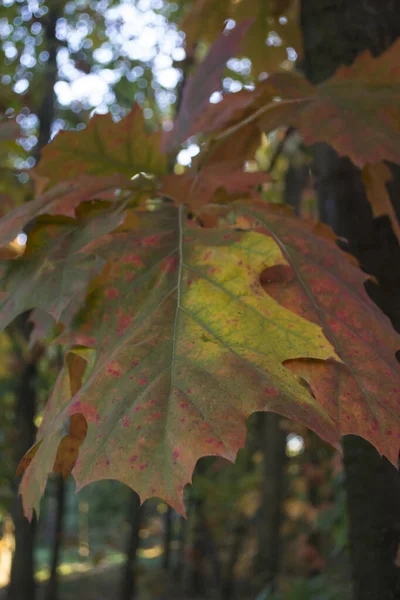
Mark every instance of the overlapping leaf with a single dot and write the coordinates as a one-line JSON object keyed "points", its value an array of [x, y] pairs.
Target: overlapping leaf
{"points": [[187, 346], [206, 80], [197, 189], [56, 452], [52, 275], [375, 177], [362, 395], [63, 200], [104, 148], [356, 111]]}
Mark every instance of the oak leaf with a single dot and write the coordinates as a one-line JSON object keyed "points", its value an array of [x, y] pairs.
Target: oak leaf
{"points": [[206, 80], [375, 177], [362, 393], [187, 346], [52, 274], [104, 148], [58, 451], [63, 199]]}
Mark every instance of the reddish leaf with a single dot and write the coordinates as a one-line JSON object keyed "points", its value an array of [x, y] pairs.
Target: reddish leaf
{"points": [[207, 79], [60, 200], [105, 147], [198, 189], [356, 111], [375, 178]]}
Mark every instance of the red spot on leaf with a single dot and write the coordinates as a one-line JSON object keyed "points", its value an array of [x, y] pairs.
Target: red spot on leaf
{"points": [[126, 422], [112, 293], [143, 466], [142, 380], [152, 240], [123, 324], [271, 391]]}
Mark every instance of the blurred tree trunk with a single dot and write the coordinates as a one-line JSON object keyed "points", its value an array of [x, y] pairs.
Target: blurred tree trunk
{"points": [[167, 538], [196, 577], [22, 582], [59, 505], [228, 585], [273, 444], [135, 515], [180, 556], [335, 32]]}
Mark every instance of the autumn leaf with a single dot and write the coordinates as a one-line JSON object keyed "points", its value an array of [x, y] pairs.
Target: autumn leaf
{"points": [[58, 451], [62, 199], [52, 275], [362, 394], [206, 80], [354, 111], [196, 189], [104, 148], [375, 178], [187, 346]]}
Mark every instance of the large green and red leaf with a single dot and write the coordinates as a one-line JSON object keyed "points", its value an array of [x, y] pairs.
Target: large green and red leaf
{"points": [[187, 346]]}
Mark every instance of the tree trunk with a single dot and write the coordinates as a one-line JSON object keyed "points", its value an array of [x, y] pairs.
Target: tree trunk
{"points": [[274, 449], [335, 32], [229, 582], [22, 582], [180, 555], [167, 538], [135, 515], [59, 503]]}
